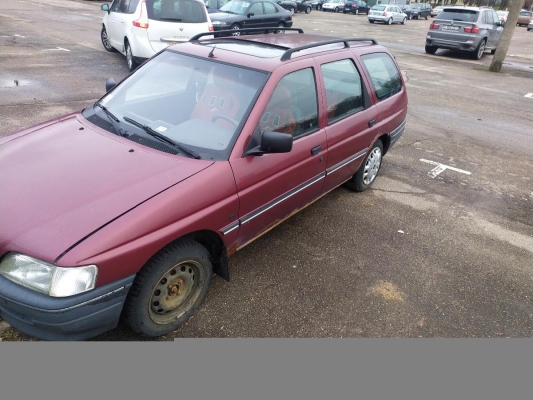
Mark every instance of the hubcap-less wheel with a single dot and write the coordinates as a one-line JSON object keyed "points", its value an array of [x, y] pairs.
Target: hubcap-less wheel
{"points": [[372, 165], [176, 292]]}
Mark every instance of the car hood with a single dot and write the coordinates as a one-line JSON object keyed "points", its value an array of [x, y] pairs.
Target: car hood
{"points": [[62, 182]]}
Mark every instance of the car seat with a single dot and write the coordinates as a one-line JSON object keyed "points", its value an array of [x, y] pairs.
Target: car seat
{"points": [[278, 116]]}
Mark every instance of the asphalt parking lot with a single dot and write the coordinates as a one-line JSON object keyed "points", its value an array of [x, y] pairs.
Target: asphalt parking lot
{"points": [[442, 246]]}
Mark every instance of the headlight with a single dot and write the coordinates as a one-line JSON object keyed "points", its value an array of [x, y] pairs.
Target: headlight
{"points": [[47, 278], [218, 23]]}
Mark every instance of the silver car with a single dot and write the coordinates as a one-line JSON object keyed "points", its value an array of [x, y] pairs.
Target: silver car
{"points": [[467, 29], [386, 13]]}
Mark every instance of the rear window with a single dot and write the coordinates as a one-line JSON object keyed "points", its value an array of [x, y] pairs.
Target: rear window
{"points": [[383, 73], [186, 11], [378, 8], [526, 14], [459, 15]]}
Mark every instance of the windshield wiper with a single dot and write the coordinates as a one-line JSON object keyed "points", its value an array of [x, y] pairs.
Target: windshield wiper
{"points": [[114, 120], [163, 138]]}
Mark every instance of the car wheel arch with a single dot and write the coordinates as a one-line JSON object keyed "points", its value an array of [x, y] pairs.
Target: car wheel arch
{"points": [[216, 248]]}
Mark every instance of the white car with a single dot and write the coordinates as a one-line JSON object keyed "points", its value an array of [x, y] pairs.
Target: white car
{"points": [[333, 5], [388, 14], [141, 28], [503, 15], [436, 11]]}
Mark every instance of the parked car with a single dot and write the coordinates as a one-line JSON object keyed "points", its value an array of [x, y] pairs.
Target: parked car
{"points": [[139, 29], [127, 208], [238, 14], [304, 6], [214, 5], [356, 7], [387, 14], [524, 17], [436, 10], [288, 5], [466, 29], [316, 4], [295, 6], [530, 26], [333, 5], [417, 10], [503, 15]]}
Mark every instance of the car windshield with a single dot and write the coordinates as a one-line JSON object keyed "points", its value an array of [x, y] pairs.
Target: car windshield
{"points": [[416, 6], [459, 15], [200, 104], [235, 7]]}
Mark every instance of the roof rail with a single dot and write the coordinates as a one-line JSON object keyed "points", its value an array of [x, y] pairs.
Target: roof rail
{"points": [[287, 55], [274, 29]]}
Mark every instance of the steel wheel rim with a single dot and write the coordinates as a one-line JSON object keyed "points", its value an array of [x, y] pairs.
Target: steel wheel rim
{"points": [[176, 292], [105, 39], [236, 28], [372, 165], [281, 30]]}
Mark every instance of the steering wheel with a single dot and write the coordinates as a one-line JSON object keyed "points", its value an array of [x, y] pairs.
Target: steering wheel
{"points": [[225, 117]]}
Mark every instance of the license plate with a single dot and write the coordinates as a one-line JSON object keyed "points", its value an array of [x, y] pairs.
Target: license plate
{"points": [[450, 28]]}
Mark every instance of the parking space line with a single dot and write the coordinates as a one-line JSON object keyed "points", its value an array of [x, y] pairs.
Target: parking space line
{"points": [[442, 167]]}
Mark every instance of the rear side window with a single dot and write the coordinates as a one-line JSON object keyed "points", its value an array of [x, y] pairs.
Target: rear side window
{"points": [[526, 14], [459, 15], [186, 11], [344, 94], [383, 73]]}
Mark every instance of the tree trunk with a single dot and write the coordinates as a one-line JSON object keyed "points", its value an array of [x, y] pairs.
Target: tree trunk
{"points": [[497, 61]]}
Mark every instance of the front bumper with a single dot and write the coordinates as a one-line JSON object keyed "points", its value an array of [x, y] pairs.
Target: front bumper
{"points": [[76, 317]]}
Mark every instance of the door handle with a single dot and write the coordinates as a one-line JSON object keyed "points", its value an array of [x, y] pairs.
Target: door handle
{"points": [[316, 150], [371, 123]]}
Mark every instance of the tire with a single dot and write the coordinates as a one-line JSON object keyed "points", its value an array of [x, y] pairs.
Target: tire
{"points": [[409, 16], [371, 21], [336, 9], [367, 172], [291, 10], [478, 53], [528, 29], [308, 10], [282, 26], [356, 11], [235, 27], [403, 20], [318, 7], [105, 41], [389, 22], [130, 58], [426, 17], [431, 49], [168, 290], [493, 51], [344, 11]]}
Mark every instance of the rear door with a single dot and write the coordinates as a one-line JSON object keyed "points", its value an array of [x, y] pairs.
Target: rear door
{"points": [[351, 117], [173, 21], [257, 20], [271, 17]]}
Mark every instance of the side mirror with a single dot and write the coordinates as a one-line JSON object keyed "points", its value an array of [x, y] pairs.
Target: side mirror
{"points": [[271, 142], [110, 84], [250, 15], [104, 7]]}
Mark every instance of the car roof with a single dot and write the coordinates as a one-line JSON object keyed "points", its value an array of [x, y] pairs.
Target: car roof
{"points": [[268, 51]]}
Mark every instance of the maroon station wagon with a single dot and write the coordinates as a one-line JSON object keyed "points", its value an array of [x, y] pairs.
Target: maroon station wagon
{"points": [[128, 207]]}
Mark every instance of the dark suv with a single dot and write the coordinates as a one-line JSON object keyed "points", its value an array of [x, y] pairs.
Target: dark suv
{"points": [[467, 29], [417, 10], [356, 7], [128, 207]]}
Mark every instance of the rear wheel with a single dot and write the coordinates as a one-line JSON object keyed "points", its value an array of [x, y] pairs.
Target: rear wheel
{"points": [[367, 172], [426, 17], [409, 16], [132, 62], [291, 10], [493, 51], [480, 50], [431, 49], [308, 10], [281, 27], [389, 22], [356, 11]]}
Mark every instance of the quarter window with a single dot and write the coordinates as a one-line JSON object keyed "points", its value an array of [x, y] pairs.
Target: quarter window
{"points": [[383, 73], [344, 94]]}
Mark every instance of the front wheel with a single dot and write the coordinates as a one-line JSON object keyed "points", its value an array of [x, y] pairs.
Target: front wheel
{"points": [[336, 9], [431, 49], [426, 17], [367, 172], [356, 11], [105, 40], [168, 290], [371, 21], [403, 20], [493, 51], [235, 27], [308, 10], [409, 16], [480, 50], [132, 63]]}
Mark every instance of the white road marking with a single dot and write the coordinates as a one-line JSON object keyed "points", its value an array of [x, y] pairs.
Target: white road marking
{"points": [[530, 95], [441, 167], [57, 49]]}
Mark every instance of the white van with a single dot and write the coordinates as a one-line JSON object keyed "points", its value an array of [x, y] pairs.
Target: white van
{"points": [[141, 28]]}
